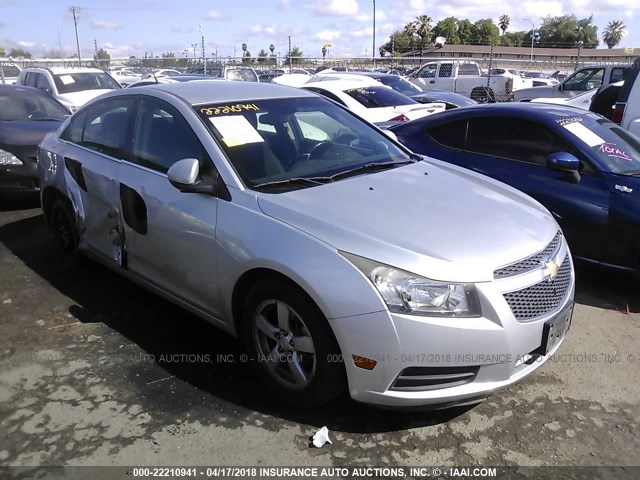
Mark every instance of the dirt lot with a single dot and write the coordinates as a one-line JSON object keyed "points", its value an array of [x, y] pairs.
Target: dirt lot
{"points": [[96, 371]]}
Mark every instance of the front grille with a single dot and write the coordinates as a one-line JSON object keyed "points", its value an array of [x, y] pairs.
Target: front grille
{"points": [[542, 298], [531, 263], [419, 379]]}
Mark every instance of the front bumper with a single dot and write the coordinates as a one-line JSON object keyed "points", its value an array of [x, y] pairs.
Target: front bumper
{"points": [[15, 179], [434, 362]]}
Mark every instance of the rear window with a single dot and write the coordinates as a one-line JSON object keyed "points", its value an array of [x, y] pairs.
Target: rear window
{"points": [[400, 85], [10, 70], [375, 97], [77, 82]]}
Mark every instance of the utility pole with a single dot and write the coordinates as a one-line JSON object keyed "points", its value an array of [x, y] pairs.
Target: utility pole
{"points": [[533, 34], [373, 52], [290, 59], [74, 12], [204, 59], [60, 43], [95, 50]]}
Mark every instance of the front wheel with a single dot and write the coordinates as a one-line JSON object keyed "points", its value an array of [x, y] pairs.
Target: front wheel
{"points": [[291, 344]]}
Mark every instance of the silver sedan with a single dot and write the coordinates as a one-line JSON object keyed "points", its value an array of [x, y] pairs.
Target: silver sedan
{"points": [[342, 260]]}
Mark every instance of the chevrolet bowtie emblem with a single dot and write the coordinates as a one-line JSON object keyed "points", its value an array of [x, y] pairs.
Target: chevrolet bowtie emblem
{"points": [[551, 270]]}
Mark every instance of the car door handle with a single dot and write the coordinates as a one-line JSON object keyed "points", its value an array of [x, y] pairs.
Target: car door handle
{"points": [[432, 81], [75, 170]]}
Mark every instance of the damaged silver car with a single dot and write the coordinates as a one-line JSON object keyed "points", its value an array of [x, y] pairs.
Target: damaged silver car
{"points": [[342, 260]]}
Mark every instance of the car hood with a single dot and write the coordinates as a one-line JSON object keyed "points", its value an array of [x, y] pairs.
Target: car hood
{"points": [[80, 98], [437, 221], [25, 136]]}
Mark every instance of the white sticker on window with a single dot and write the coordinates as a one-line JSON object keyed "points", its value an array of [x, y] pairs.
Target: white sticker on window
{"points": [[584, 134], [67, 79], [236, 130]]}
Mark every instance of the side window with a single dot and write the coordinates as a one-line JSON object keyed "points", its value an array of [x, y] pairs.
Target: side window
{"points": [[515, 139], [162, 137], [73, 132], [42, 83], [446, 70], [105, 126], [452, 135], [585, 80], [468, 69], [31, 79], [428, 71], [617, 74]]}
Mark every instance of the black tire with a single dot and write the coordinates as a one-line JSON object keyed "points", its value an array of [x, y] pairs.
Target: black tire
{"points": [[64, 229], [325, 374]]}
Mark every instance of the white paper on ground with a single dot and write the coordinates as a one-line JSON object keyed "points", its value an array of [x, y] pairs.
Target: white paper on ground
{"points": [[321, 437], [236, 130]]}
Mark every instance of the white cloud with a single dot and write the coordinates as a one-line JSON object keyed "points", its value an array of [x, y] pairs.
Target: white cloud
{"points": [[267, 30], [336, 8], [25, 44], [215, 15], [284, 4], [328, 35], [105, 25]]}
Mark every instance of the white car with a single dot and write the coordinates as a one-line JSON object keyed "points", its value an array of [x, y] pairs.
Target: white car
{"points": [[164, 72], [125, 77], [582, 100], [73, 87], [519, 81], [373, 101], [9, 73]]}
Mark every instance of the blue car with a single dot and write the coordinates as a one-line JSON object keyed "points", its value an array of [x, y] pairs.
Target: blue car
{"points": [[584, 168]]}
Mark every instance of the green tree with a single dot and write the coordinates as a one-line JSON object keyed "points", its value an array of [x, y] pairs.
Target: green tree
{"points": [[262, 56], [515, 39], [398, 43], [447, 28], [19, 53], [566, 31], [296, 57], [486, 32], [613, 33], [466, 31], [423, 29], [169, 60], [410, 30], [246, 57], [3, 52], [503, 23], [102, 57]]}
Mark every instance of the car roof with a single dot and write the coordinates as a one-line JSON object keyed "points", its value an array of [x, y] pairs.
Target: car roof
{"points": [[342, 85], [67, 70], [542, 112], [202, 92]]}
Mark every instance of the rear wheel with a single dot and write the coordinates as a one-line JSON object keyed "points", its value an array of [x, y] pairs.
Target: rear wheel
{"points": [[291, 344]]}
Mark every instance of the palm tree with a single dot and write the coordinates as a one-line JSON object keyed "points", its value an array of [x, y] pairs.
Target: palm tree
{"points": [[423, 29], [613, 34], [503, 23], [410, 30]]}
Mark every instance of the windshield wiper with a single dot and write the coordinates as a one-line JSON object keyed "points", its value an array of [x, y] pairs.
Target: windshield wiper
{"points": [[633, 173], [370, 167], [298, 181]]}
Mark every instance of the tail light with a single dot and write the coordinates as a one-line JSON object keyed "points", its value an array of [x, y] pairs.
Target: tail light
{"points": [[508, 86], [400, 118], [618, 113]]}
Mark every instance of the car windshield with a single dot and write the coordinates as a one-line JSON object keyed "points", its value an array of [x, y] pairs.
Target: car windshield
{"points": [[615, 147], [282, 144], [77, 82], [29, 105], [9, 70], [400, 85], [375, 97]]}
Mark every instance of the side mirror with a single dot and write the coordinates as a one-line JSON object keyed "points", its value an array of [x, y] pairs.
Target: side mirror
{"points": [[565, 162], [185, 176], [391, 135]]}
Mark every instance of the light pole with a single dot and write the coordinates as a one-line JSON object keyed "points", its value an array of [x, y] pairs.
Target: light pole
{"points": [[533, 34], [373, 52], [204, 59]]}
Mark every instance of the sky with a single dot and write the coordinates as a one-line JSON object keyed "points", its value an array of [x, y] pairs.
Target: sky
{"points": [[137, 27]]}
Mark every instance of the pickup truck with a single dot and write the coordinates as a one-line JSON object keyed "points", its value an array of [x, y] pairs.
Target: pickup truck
{"points": [[583, 79], [463, 77]]}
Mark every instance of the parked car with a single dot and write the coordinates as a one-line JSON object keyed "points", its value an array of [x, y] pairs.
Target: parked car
{"points": [[582, 100], [125, 77], [173, 79], [338, 259], [463, 77], [583, 79], [627, 107], [228, 72], [9, 73], [372, 101], [540, 79], [582, 167], [604, 99], [401, 85], [26, 116], [163, 72], [72, 87], [519, 79]]}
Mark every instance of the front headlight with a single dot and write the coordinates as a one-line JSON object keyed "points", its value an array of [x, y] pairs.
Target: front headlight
{"points": [[404, 292], [8, 158]]}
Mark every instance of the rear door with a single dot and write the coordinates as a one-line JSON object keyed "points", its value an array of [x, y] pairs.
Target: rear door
{"points": [[94, 144], [514, 151]]}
